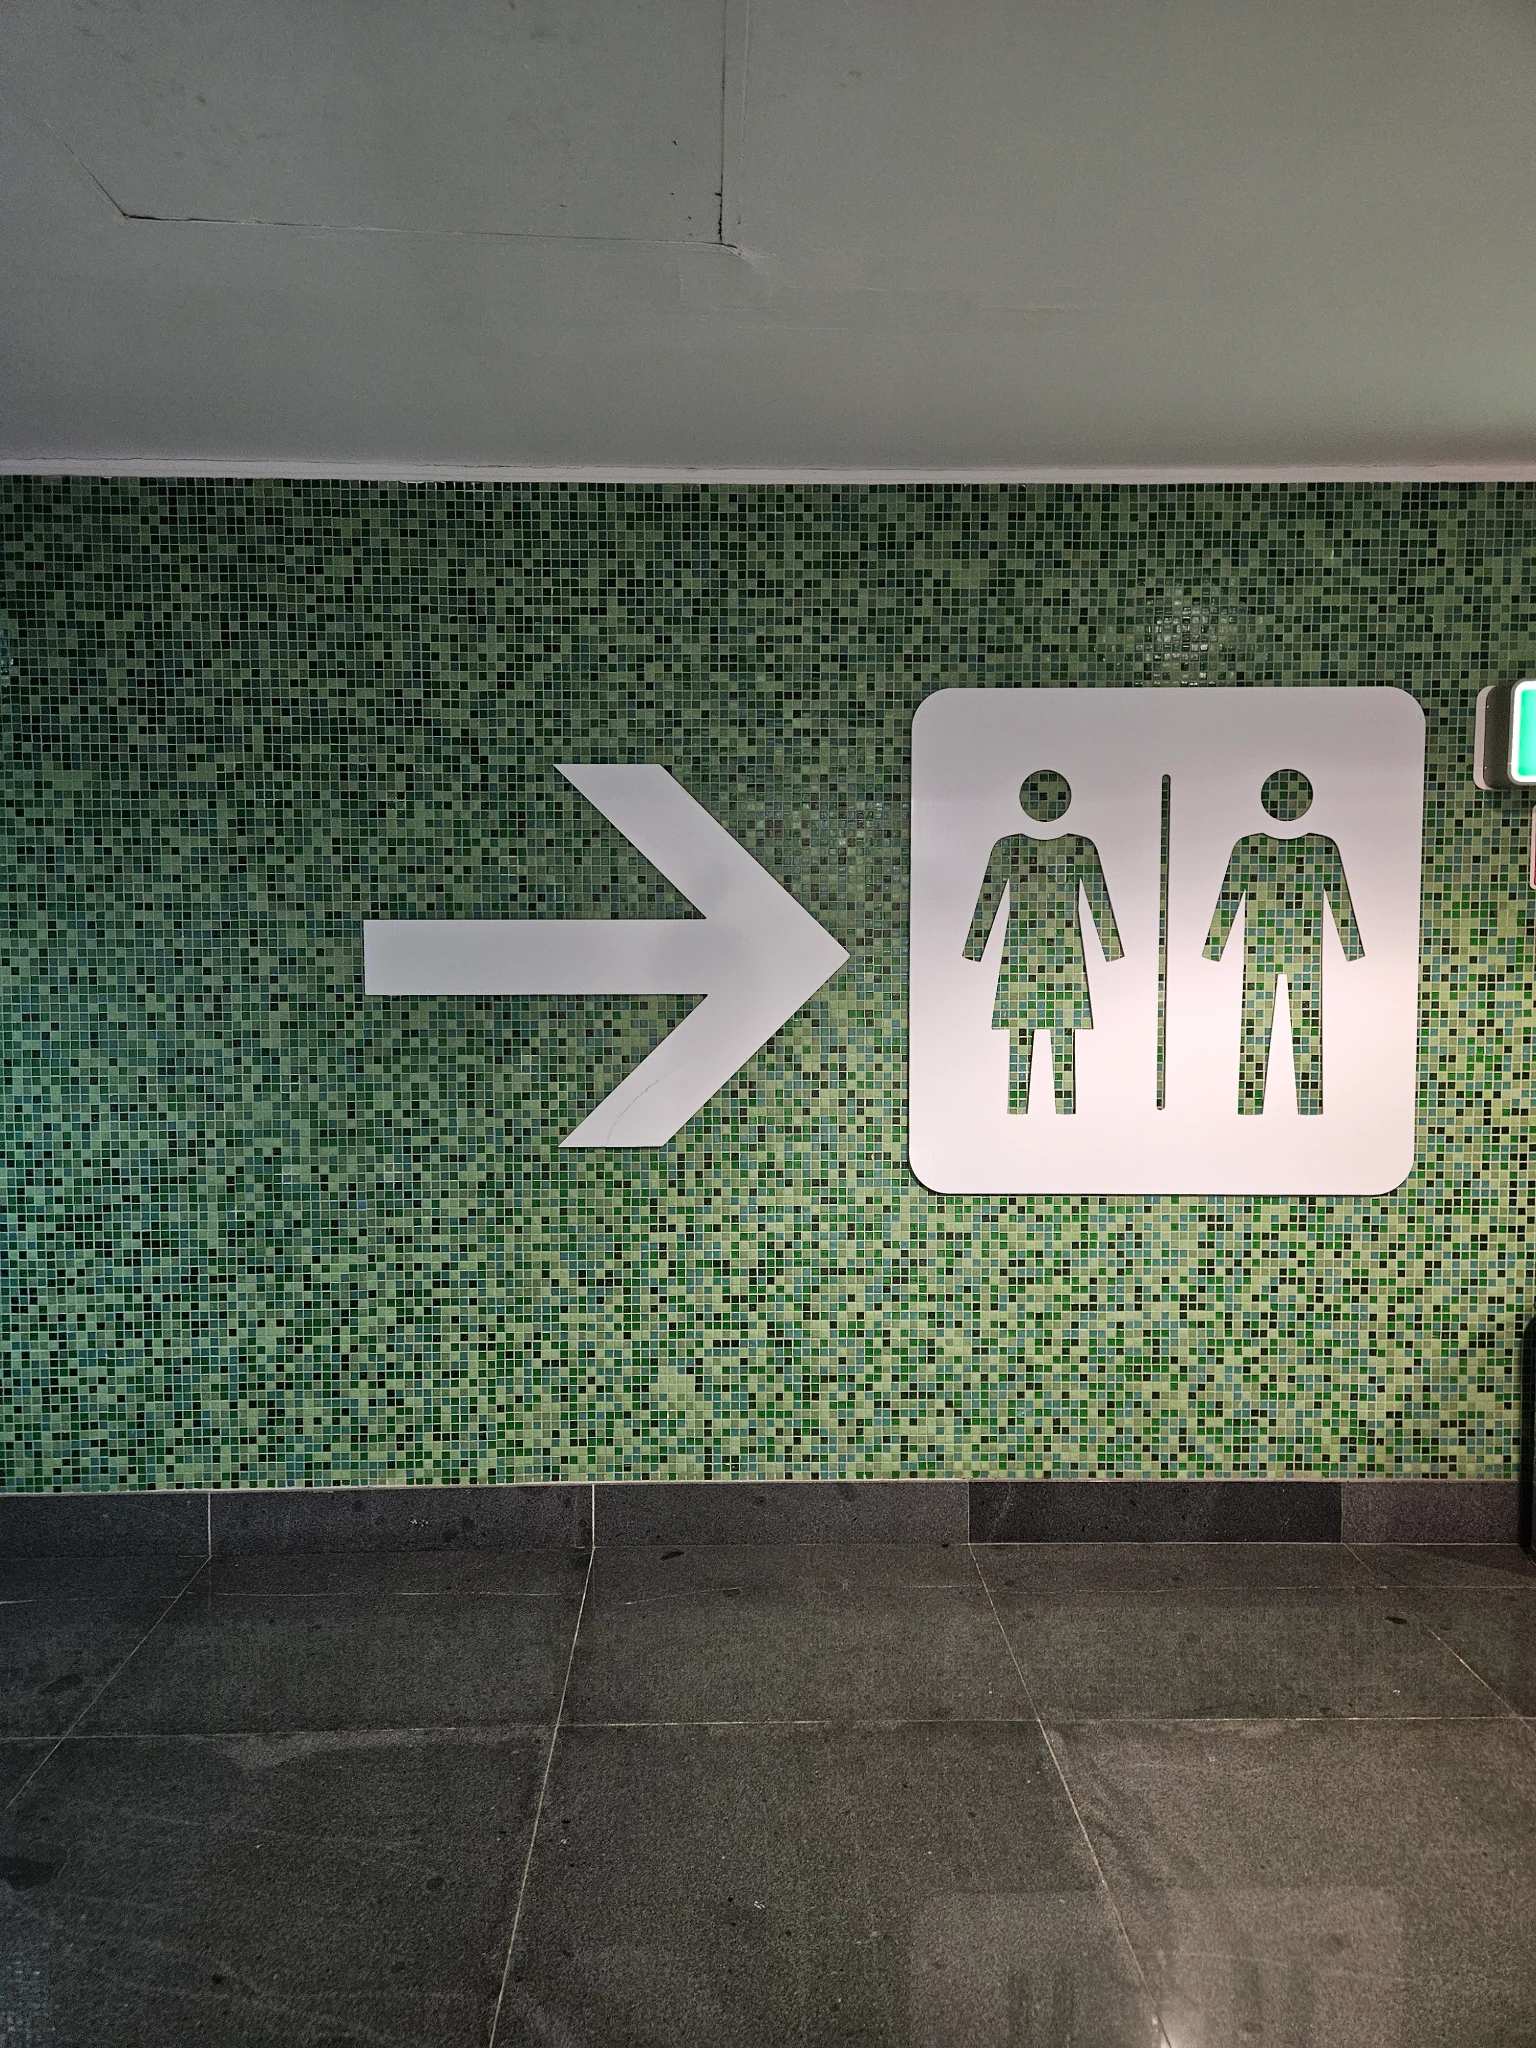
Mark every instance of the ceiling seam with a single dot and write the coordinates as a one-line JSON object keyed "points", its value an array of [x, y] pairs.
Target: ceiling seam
{"points": [[705, 475]]}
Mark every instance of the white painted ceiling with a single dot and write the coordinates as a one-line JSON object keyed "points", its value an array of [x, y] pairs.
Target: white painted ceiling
{"points": [[847, 236]]}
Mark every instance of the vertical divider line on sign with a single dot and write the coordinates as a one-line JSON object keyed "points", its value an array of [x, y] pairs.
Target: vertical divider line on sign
{"points": [[1162, 949]]}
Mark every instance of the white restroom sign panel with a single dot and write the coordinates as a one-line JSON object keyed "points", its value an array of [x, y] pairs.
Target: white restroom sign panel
{"points": [[1165, 941]]}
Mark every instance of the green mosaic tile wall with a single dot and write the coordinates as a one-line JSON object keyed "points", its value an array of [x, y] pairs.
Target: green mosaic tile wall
{"points": [[260, 1229]]}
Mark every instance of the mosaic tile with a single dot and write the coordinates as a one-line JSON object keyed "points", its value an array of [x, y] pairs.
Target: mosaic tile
{"points": [[262, 1230]]}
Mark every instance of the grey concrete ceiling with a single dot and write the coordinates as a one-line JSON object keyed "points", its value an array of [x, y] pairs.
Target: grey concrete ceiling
{"points": [[794, 236]]}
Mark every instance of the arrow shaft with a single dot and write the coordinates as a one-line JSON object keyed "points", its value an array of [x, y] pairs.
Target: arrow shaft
{"points": [[539, 957]]}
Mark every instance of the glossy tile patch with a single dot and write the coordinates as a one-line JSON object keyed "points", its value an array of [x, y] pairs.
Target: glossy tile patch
{"points": [[261, 1229]]}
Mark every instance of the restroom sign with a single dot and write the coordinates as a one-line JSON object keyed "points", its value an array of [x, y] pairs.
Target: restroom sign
{"points": [[1165, 941]]}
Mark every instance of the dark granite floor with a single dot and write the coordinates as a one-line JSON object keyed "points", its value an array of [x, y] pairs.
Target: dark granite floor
{"points": [[1047, 1794]]}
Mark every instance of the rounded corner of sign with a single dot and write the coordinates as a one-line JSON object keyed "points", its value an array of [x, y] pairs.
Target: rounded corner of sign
{"points": [[927, 1174], [1394, 1173], [1409, 706], [925, 714], [1396, 1176], [940, 703]]}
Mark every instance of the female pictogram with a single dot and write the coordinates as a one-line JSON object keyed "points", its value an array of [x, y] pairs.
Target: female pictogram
{"points": [[1043, 981], [1286, 883]]}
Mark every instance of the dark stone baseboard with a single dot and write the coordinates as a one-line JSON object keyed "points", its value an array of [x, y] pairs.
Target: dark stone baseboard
{"points": [[356, 1518], [104, 1525], [1245, 1511], [1155, 1511], [292, 1519], [785, 1511], [331, 1519], [1431, 1510]]}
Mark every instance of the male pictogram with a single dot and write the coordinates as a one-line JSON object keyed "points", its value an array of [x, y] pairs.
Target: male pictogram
{"points": [[1043, 982], [1286, 883]]}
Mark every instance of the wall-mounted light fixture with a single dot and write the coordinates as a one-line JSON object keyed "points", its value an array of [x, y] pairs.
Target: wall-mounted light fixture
{"points": [[1506, 737], [1504, 746]]}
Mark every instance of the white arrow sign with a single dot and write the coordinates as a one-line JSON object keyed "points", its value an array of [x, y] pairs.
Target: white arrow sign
{"points": [[755, 955]]}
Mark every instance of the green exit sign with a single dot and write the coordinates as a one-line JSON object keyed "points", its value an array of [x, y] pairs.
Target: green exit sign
{"points": [[1505, 746]]}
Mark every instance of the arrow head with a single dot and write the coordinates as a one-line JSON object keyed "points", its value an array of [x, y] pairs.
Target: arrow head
{"points": [[766, 955]]}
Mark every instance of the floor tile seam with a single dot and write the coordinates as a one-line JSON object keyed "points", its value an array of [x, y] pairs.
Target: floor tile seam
{"points": [[110, 1678], [1050, 1720], [1011, 1596], [1514, 1581], [381, 1593], [1508, 1706], [750, 1543], [1331, 1544], [1463, 1589], [1381, 1574], [1093, 1855], [340, 1731], [1024, 1720], [55, 1601], [240, 1593], [1407, 1586], [538, 1811]]}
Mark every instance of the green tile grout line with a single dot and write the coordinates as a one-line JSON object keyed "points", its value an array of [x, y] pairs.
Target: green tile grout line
{"points": [[261, 1230]]}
